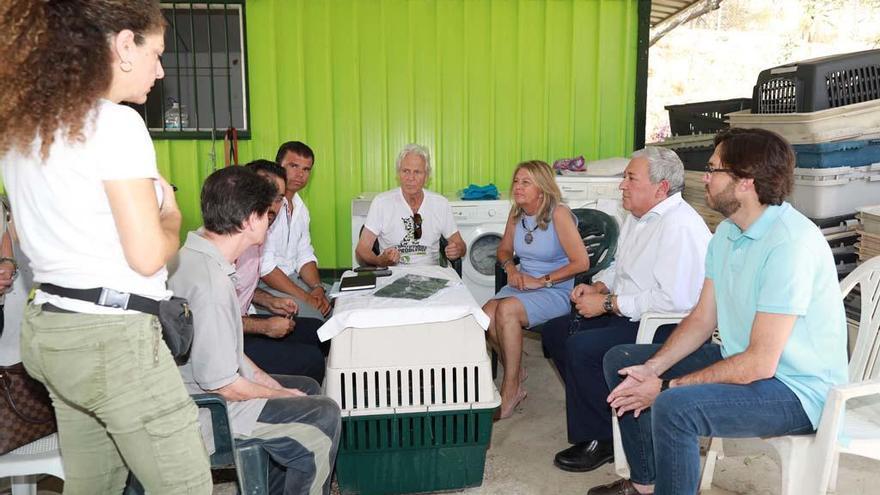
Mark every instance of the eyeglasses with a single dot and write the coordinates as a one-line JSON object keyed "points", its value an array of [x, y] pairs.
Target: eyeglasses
{"points": [[417, 226], [711, 170]]}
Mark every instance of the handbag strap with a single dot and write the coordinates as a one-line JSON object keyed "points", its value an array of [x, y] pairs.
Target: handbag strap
{"points": [[6, 385]]}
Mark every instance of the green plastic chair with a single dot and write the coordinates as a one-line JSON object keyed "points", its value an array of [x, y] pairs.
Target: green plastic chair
{"points": [[599, 232], [251, 463]]}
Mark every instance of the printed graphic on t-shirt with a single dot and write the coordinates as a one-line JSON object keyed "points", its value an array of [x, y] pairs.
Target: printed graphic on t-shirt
{"points": [[409, 247]]}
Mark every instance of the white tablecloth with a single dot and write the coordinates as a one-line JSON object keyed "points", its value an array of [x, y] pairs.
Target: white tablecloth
{"points": [[361, 309]]}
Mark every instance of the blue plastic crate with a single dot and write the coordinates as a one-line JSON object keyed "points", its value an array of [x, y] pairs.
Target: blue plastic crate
{"points": [[838, 154]]}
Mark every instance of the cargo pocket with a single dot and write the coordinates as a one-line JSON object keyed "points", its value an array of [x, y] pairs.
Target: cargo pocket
{"points": [[177, 446], [77, 373]]}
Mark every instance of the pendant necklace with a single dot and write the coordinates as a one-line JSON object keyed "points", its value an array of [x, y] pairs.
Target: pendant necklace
{"points": [[528, 237]]}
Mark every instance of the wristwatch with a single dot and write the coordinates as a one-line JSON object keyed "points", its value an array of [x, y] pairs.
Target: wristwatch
{"points": [[547, 282], [608, 306]]}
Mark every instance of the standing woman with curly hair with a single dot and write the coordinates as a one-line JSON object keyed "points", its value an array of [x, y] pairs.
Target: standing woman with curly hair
{"points": [[92, 212]]}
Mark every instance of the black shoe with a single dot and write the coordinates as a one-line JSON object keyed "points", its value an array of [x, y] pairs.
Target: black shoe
{"points": [[585, 456]]}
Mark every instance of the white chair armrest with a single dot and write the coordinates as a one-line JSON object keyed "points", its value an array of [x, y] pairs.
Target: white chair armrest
{"points": [[650, 322]]}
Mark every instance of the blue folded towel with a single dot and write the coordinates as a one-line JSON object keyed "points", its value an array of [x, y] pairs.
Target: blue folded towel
{"points": [[475, 192]]}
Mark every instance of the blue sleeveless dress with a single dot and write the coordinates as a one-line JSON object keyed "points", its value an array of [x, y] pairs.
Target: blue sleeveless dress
{"points": [[544, 255]]}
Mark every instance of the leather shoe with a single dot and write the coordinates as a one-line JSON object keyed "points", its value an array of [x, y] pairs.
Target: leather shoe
{"points": [[585, 456], [619, 487]]}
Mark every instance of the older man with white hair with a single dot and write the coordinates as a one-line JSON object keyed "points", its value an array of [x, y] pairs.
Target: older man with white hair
{"points": [[408, 221], [659, 267]]}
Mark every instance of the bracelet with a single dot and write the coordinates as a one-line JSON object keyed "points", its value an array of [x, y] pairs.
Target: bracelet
{"points": [[506, 262]]}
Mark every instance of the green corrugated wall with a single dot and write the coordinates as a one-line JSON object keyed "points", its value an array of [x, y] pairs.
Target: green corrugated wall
{"points": [[484, 84]]}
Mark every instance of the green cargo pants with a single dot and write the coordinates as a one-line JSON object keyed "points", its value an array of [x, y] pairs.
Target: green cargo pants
{"points": [[119, 400]]}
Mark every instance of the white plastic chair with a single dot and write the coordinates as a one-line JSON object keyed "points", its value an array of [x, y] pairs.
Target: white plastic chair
{"points": [[850, 422], [26, 462], [648, 325]]}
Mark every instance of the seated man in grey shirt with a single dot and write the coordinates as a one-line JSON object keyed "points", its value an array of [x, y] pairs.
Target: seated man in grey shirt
{"points": [[298, 429]]}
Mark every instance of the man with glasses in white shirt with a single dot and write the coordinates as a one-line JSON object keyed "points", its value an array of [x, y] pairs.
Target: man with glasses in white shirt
{"points": [[658, 268]]}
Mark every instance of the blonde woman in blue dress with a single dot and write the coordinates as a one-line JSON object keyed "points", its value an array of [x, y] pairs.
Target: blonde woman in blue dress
{"points": [[543, 233]]}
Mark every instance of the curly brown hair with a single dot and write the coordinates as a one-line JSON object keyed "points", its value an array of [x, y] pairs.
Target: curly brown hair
{"points": [[57, 63], [761, 155]]}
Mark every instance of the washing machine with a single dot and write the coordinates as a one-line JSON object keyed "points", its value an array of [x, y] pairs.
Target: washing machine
{"points": [[596, 192], [481, 224]]}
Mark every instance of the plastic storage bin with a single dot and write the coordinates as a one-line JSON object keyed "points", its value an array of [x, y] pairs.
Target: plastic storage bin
{"points": [[417, 405], [852, 122], [838, 154], [705, 117], [818, 84], [829, 192]]}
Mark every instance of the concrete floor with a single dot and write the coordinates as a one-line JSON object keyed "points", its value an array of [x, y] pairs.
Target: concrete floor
{"points": [[520, 457]]}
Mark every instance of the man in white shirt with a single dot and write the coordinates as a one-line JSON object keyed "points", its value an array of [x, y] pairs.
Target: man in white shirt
{"points": [[289, 265], [659, 267], [408, 221]]}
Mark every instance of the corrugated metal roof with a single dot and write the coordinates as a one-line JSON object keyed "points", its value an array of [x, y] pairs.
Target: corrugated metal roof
{"points": [[664, 9]]}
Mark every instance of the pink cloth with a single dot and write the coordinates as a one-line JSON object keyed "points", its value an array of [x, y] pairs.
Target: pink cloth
{"points": [[247, 271]]}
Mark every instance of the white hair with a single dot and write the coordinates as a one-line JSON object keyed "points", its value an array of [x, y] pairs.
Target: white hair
{"points": [[415, 149], [663, 164]]}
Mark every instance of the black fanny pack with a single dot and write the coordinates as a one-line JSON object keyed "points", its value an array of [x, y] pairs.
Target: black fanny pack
{"points": [[174, 314]]}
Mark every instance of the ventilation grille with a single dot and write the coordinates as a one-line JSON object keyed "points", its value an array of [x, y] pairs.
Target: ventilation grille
{"points": [[405, 387], [846, 87], [779, 95], [412, 431]]}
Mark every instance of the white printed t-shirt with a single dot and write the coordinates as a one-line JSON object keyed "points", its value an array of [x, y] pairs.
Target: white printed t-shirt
{"points": [[62, 213], [391, 219]]}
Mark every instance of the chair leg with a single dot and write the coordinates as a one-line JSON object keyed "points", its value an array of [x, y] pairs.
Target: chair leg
{"points": [[713, 453], [253, 470], [832, 482], [24, 485], [621, 466]]}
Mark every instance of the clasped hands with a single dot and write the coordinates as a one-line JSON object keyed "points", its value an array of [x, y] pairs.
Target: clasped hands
{"points": [[588, 300], [636, 392]]}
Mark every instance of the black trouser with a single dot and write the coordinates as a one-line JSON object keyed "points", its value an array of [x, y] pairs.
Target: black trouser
{"points": [[300, 353], [577, 347]]}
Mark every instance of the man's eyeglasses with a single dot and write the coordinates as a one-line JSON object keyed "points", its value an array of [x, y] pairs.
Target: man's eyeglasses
{"points": [[711, 170], [417, 226]]}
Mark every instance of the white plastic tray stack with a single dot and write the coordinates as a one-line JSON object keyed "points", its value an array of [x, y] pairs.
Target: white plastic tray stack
{"points": [[850, 122]]}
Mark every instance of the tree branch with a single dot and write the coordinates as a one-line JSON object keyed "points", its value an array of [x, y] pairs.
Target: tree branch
{"points": [[686, 15]]}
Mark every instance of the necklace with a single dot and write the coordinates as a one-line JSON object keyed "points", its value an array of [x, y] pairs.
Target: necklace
{"points": [[528, 237]]}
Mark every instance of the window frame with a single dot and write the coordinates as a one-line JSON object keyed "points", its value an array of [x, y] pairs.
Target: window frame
{"points": [[217, 133]]}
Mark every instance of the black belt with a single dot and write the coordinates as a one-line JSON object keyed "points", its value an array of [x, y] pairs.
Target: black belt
{"points": [[108, 298]]}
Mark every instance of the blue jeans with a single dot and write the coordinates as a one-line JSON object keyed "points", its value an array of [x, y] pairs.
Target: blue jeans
{"points": [[662, 444]]}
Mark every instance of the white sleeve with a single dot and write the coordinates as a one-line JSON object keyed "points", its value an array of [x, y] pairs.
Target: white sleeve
{"points": [[373, 222], [606, 276], [305, 253], [270, 246], [126, 150], [678, 274]]}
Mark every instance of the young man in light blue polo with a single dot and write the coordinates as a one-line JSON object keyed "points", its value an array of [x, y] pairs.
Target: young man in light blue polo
{"points": [[771, 290]]}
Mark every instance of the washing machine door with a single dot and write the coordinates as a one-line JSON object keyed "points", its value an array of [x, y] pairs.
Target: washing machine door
{"points": [[481, 256]]}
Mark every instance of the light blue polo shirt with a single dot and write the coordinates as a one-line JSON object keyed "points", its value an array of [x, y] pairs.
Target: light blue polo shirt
{"points": [[782, 264]]}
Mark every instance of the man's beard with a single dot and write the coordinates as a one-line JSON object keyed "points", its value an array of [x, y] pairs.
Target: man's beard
{"points": [[724, 202]]}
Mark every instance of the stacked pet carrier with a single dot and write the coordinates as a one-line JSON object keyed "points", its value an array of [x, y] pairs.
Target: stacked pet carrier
{"points": [[829, 109], [417, 404]]}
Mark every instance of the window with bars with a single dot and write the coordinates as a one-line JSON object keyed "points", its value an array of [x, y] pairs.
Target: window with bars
{"points": [[204, 91]]}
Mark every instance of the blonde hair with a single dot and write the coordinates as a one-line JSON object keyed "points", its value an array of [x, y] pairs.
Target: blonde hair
{"points": [[542, 174]]}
